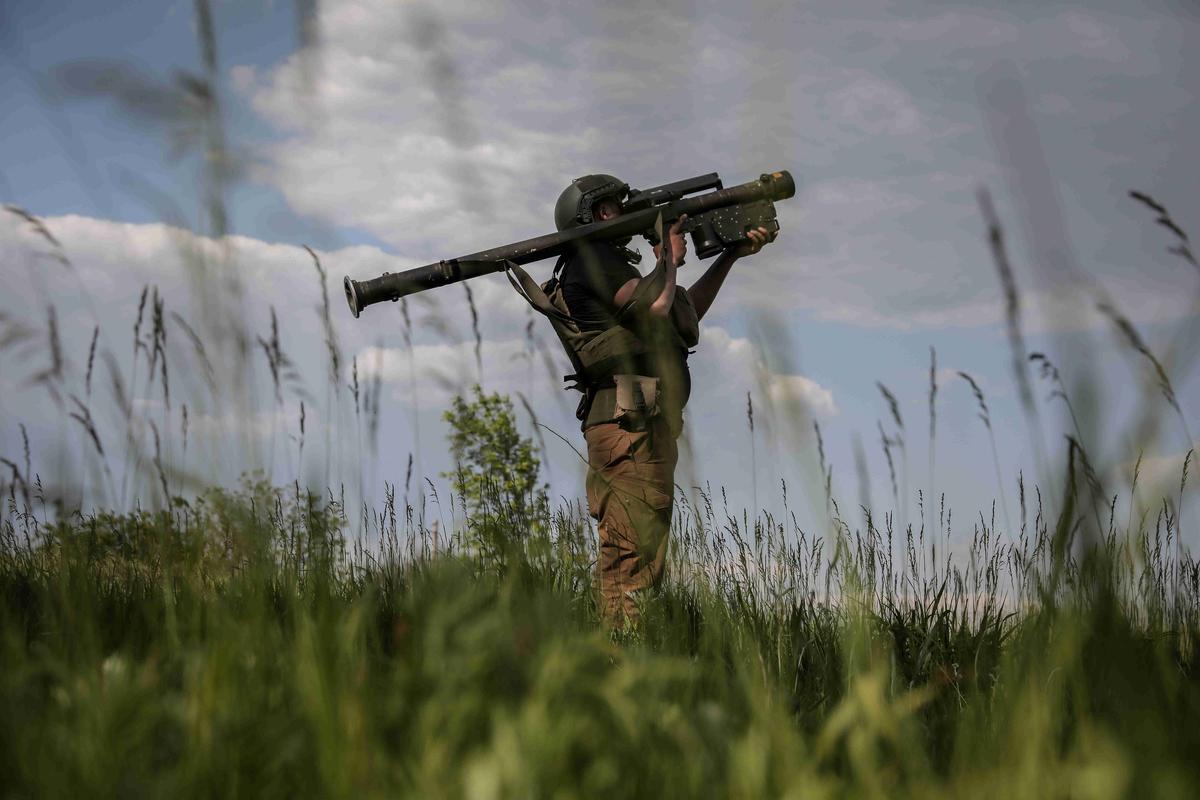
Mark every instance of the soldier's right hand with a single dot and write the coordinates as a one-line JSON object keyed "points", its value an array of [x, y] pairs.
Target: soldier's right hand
{"points": [[678, 241]]}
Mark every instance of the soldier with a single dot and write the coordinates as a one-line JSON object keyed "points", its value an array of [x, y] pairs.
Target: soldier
{"points": [[628, 337]]}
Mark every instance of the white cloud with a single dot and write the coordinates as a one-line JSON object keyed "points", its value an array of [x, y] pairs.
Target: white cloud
{"points": [[437, 152], [114, 260], [443, 129], [403, 137], [728, 367], [816, 398]]}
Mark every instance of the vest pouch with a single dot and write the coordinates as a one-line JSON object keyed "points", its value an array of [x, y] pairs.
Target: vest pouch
{"points": [[637, 401], [604, 353]]}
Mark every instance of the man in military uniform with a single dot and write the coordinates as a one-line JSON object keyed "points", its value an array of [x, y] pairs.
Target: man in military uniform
{"points": [[628, 339]]}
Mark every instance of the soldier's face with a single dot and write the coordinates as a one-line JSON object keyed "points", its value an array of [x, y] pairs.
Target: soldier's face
{"points": [[606, 209]]}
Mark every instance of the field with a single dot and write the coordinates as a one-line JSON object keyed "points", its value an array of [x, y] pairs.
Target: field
{"points": [[239, 642]]}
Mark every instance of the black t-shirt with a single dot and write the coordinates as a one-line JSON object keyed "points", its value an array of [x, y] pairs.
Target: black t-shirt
{"points": [[590, 279]]}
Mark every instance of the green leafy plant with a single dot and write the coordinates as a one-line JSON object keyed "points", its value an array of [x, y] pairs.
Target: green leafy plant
{"points": [[497, 469]]}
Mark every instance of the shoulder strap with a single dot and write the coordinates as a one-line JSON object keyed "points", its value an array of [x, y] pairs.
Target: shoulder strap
{"points": [[529, 289], [567, 327], [651, 284]]}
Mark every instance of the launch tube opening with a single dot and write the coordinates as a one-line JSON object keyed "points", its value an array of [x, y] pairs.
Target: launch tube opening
{"points": [[351, 295]]}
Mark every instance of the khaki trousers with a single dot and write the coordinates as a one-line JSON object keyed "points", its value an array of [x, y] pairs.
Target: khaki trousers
{"points": [[630, 489]]}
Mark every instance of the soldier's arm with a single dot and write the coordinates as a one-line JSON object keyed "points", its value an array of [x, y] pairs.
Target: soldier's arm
{"points": [[704, 291], [660, 306]]}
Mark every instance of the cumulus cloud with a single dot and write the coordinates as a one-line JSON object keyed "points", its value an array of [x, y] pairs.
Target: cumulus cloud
{"points": [[818, 399], [727, 366], [115, 260], [224, 347], [382, 157], [442, 129]]}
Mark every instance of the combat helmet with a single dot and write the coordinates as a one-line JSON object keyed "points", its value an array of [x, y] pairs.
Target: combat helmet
{"points": [[574, 206]]}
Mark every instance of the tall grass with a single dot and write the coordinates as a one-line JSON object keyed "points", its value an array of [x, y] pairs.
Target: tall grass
{"points": [[239, 641]]}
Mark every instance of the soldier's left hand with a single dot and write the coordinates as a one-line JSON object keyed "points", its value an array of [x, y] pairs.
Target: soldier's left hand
{"points": [[755, 240]]}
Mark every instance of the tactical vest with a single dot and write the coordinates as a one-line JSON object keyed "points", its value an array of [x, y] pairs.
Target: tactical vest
{"points": [[600, 356]]}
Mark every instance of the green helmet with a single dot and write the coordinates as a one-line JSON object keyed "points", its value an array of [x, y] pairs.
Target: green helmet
{"points": [[574, 206]]}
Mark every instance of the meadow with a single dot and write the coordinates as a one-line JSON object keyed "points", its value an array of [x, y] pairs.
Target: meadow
{"points": [[238, 643]]}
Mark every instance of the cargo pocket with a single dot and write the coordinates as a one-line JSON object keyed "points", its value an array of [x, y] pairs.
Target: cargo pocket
{"points": [[650, 516], [637, 401], [607, 446]]}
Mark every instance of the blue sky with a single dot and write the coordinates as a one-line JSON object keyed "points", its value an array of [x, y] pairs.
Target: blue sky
{"points": [[421, 131]]}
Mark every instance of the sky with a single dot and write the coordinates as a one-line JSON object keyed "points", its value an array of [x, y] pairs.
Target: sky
{"points": [[386, 136]]}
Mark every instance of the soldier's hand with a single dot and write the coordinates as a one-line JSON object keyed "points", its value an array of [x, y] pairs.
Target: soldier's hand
{"points": [[755, 240], [678, 241]]}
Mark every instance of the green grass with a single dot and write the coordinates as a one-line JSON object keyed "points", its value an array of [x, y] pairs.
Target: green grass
{"points": [[237, 645]]}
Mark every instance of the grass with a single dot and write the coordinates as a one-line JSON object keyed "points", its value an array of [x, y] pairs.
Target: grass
{"points": [[238, 643]]}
